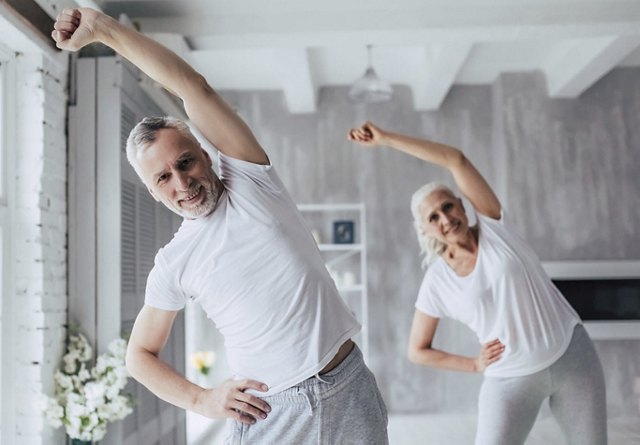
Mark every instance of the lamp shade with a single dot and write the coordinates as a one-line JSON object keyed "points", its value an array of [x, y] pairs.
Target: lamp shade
{"points": [[370, 88]]}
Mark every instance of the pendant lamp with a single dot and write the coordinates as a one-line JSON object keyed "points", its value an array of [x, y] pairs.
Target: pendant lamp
{"points": [[370, 88]]}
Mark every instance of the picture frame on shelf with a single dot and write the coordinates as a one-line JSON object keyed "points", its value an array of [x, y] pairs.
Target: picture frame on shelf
{"points": [[343, 232]]}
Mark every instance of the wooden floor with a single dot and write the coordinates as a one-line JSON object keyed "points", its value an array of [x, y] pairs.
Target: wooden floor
{"points": [[447, 429], [451, 429]]}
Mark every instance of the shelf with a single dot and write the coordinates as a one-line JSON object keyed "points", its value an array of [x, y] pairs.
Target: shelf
{"points": [[339, 247], [345, 260]]}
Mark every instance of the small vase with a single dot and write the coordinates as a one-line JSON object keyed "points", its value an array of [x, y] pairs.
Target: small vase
{"points": [[79, 442]]}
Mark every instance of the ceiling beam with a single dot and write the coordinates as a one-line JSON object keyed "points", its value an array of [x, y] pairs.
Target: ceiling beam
{"points": [[438, 74], [300, 91], [406, 37], [206, 18], [576, 65]]}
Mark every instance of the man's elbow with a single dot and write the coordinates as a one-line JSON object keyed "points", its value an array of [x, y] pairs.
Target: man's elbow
{"points": [[198, 84], [131, 361]]}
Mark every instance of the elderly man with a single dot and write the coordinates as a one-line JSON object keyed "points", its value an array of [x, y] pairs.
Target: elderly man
{"points": [[245, 255]]}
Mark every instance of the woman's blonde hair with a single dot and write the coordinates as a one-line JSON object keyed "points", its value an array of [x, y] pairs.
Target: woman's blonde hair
{"points": [[430, 247]]}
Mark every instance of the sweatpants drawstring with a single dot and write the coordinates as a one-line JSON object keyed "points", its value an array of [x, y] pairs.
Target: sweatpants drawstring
{"points": [[307, 397], [317, 376]]}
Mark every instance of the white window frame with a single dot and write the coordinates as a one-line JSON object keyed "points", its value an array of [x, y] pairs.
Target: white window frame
{"points": [[7, 323]]}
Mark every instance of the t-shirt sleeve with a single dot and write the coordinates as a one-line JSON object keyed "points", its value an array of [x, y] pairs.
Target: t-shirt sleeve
{"points": [[428, 300], [237, 174], [497, 225], [160, 293], [488, 220]]}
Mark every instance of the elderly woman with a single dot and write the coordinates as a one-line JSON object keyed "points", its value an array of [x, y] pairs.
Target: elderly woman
{"points": [[534, 346]]}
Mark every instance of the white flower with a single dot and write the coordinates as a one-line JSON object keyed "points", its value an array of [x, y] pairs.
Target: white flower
{"points": [[86, 436], [118, 348], [76, 410], [86, 400], [98, 432], [102, 363], [73, 427], [95, 394], [63, 382], [112, 392], [120, 407], [80, 345], [83, 374], [54, 413], [71, 360]]}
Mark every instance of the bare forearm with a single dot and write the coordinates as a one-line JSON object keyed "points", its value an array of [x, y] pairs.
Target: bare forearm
{"points": [[470, 182], [218, 123], [435, 358], [155, 60], [162, 380], [429, 151]]}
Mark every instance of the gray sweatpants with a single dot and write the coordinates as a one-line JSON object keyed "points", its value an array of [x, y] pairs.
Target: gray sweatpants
{"points": [[574, 384], [342, 406]]}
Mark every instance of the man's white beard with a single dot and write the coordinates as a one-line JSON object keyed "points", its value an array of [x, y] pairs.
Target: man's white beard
{"points": [[204, 208]]}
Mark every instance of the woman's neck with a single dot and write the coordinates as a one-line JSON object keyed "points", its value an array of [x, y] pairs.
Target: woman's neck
{"points": [[464, 248]]}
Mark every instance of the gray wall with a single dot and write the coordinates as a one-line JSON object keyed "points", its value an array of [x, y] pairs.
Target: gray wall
{"points": [[566, 170]]}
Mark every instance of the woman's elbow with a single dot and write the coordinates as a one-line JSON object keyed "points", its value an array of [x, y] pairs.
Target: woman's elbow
{"points": [[457, 158], [413, 354], [421, 355]]}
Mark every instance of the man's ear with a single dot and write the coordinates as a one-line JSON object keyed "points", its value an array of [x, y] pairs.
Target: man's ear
{"points": [[153, 194], [208, 158]]}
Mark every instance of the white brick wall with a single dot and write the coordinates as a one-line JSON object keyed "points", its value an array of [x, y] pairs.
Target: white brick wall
{"points": [[39, 233]]}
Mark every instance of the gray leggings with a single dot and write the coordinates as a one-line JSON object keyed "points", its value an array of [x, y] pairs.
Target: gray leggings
{"points": [[574, 384]]}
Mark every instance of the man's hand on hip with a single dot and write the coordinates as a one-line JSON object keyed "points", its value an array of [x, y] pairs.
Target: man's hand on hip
{"points": [[230, 400]]}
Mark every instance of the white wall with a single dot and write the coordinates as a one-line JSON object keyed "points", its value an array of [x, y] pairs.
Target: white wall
{"points": [[39, 231]]}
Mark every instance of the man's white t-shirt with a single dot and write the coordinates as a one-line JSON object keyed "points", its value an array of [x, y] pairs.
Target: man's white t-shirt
{"points": [[255, 269], [507, 296]]}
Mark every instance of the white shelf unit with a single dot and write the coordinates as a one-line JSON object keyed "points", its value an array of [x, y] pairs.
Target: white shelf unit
{"points": [[337, 254]]}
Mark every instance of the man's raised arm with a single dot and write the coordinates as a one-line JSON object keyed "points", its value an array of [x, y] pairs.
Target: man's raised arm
{"points": [[76, 28]]}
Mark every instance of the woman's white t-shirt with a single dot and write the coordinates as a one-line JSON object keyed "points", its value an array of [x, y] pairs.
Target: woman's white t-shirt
{"points": [[255, 269], [507, 296]]}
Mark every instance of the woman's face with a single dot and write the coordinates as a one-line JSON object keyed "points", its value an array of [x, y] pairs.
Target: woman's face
{"points": [[443, 217]]}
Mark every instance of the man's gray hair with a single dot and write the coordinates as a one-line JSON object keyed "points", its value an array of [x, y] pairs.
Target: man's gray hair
{"points": [[145, 132], [429, 246]]}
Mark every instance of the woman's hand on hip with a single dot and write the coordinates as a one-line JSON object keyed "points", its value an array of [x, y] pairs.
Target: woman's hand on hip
{"points": [[490, 353]]}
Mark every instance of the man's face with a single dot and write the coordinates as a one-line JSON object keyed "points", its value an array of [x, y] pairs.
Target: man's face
{"points": [[178, 173]]}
